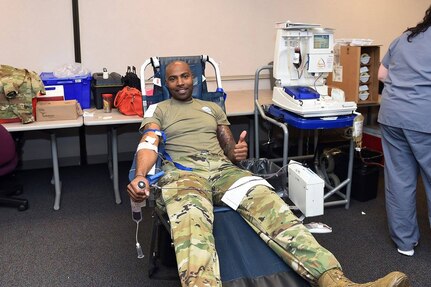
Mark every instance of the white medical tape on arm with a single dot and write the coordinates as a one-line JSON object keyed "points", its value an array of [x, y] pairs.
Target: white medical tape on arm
{"points": [[234, 195], [150, 140], [147, 145], [156, 132]]}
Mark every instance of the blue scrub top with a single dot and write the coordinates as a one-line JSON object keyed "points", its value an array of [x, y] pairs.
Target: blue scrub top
{"points": [[406, 97]]}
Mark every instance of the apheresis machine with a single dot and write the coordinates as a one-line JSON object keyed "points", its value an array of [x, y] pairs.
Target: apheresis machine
{"points": [[303, 57]]}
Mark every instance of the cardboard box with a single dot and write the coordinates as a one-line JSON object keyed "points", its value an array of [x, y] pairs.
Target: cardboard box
{"points": [[57, 110], [53, 93]]}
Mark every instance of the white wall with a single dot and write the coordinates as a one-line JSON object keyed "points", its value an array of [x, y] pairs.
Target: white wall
{"points": [[239, 34], [36, 35]]}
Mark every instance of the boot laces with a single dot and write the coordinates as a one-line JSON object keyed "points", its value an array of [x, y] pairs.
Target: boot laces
{"points": [[341, 278]]}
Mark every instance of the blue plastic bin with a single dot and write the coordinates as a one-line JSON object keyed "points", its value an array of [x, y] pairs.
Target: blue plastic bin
{"points": [[313, 123], [75, 88]]}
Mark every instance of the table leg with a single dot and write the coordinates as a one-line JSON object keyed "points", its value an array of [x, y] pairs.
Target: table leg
{"points": [[110, 164], [57, 183], [115, 164], [349, 173]]}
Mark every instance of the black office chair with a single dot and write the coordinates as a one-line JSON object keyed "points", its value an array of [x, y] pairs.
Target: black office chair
{"points": [[8, 162], [245, 260]]}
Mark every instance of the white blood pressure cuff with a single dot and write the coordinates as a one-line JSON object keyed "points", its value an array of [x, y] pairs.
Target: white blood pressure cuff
{"points": [[234, 195]]}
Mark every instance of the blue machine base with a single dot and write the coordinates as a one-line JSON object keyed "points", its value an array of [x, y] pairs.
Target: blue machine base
{"points": [[301, 92], [311, 123]]}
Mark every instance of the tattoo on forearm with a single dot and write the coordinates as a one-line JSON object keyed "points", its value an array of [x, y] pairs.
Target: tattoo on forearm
{"points": [[226, 140]]}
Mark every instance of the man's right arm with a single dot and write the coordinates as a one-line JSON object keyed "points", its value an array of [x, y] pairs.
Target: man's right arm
{"points": [[145, 160]]}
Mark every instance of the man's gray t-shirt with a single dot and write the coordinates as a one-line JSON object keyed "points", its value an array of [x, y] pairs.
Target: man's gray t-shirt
{"points": [[190, 127]]}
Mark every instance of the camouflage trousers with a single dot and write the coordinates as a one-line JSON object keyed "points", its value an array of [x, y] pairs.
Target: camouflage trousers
{"points": [[188, 198]]}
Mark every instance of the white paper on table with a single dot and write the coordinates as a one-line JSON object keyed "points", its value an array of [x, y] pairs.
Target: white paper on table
{"points": [[88, 114]]}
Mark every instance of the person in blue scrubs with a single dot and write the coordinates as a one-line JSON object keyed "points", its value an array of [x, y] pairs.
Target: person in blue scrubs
{"points": [[405, 123]]}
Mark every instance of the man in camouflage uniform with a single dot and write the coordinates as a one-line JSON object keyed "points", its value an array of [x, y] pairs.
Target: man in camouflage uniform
{"points": [[18, 87], [202, 172]]}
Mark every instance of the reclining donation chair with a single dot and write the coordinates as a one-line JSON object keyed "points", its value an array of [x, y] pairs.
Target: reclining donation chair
{"points": [[245, 260], [8, 163]]}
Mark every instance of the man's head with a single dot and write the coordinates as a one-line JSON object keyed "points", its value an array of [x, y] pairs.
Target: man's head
{"points": [[179, 80]]}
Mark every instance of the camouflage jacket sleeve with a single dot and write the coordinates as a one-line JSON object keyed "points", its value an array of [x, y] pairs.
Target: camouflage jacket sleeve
{"points": [[18, 87]]}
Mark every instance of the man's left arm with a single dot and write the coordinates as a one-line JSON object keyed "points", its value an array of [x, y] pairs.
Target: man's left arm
{"points": [[234, 151]]}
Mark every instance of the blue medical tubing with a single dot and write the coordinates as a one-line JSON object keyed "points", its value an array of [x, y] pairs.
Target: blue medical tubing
{"points": [[152, 179]]}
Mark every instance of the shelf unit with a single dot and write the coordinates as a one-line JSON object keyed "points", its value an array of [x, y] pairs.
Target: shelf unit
{"points": [[354, 64]]}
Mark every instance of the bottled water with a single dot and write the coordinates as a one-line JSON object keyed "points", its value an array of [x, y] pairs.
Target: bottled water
{"points": [[358, 124]]}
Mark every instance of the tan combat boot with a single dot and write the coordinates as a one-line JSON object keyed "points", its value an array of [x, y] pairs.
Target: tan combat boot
{"points": [[336, 278]]}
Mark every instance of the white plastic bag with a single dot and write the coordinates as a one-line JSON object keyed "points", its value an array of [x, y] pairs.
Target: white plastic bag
{"points": [[71, 70]]}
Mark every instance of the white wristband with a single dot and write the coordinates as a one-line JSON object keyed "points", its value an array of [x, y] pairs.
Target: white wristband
{"points": [[147, 145]]}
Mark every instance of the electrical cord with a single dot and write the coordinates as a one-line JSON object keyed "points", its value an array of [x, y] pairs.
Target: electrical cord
{"points": [[367, 161], [315, 81], [275, 174]]}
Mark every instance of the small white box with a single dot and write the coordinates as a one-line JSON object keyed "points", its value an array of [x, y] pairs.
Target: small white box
{"points": [[53, 93], [306, 189]]}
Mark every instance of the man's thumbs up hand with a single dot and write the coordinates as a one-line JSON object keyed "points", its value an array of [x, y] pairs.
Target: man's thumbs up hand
{"points": [[241, 148], [242, 137]]}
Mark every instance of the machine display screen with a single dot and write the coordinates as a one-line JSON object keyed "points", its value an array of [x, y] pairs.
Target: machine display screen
{"points": [[321, 41]]}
